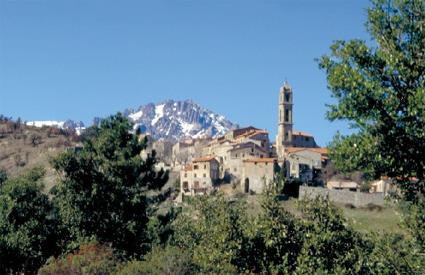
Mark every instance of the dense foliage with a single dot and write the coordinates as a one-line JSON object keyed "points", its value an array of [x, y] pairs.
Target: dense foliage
{"points": [[28, 228], [381, 91], [103, 192], [215, 235]]}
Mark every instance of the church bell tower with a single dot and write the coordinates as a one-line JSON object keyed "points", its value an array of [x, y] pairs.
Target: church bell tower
{"points": [[284, 136]]}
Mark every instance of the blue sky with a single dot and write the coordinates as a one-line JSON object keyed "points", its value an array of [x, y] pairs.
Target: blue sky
{"points": [[84, 58]]}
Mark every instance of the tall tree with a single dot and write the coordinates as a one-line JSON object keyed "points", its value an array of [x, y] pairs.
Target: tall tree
{"points": [[380, 89], [103, 190], [28, 228]]}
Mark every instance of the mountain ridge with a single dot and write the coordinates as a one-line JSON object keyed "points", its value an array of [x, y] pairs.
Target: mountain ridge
{"points": [[169, 119]]}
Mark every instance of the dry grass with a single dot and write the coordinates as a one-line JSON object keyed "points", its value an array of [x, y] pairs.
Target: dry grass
{"points": [[364, 220], [28, 147]]}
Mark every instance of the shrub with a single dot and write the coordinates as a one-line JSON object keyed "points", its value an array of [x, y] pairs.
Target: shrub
{"points": [[91, 258], [168, 261]]}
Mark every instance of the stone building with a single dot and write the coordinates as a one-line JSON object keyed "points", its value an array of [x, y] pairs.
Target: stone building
{"points": [[287, 137], [256, 173], [302, 162], [303, 139], [296, 149], [184, 151], [285, 124], [200, 176], [246, 158]]}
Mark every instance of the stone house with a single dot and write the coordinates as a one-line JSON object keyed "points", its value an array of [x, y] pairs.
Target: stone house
{"points": [[301, 162], [303, 139], [184, 151], [200, 176], [257, 172]]}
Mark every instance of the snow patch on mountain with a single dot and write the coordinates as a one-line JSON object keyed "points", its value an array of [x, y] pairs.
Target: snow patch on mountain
{"points": [[49, 123], [159, 113], [175, 120], [68, 124], [136, 115]]}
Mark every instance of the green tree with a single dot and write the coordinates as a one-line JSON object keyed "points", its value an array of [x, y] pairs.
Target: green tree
{"points": [[380, 89], [274, 240], [28, 228], [211, 230], [330, 245], [103, 192]]}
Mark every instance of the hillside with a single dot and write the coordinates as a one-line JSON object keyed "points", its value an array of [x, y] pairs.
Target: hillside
{"points": [[23, 147]]}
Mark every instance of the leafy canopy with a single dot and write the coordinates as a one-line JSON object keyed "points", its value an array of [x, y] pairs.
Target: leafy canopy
{"points": [[381, 90], [28, 228], [103, 190]]}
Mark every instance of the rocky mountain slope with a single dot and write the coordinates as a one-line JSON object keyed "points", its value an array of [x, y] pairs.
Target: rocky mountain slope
{"points": [[175, 120], [170, 120]]}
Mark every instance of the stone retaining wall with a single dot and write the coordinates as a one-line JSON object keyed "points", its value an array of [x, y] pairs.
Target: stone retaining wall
{"points": [[358, 199]]}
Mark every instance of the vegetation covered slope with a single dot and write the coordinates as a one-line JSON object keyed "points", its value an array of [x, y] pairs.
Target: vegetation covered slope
{"points": [[24, 147]]}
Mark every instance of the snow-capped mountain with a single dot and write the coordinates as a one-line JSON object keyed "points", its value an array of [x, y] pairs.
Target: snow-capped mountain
{"points": [[78, 126], [178, 119]]}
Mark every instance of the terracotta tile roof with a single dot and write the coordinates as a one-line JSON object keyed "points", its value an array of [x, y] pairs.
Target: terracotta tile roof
{"points": [[204, 159], [252, 133], [300, 133], [412, 179], [187, 168], [260, 160], [323, 151], [246, 145], [242, 131]]}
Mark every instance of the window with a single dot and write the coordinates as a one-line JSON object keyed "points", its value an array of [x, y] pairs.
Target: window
{"points": [[286, 115], [205, 166], [194, 175], [287, 97], [286, 136], [205, 175], [185, 175], [195, 167], [236, 155], [196, 184], [252, 150], [185, 185]]}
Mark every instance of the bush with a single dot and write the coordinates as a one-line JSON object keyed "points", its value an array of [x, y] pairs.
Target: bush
{"points": [[91, 258], [168, 261]]}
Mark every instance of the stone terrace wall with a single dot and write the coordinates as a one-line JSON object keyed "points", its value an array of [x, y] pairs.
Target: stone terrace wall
{"points": [[358, 199]]}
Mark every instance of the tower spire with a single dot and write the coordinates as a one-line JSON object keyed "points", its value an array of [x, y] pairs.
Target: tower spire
{"points": [[284, 137]]}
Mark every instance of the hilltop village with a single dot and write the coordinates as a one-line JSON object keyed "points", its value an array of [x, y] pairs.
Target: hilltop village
{"points": [[246, 158]]}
